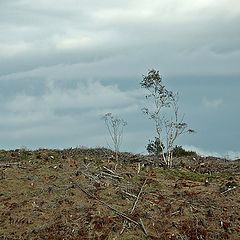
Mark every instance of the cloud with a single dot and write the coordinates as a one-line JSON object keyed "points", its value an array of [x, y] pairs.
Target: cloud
{"points": [[231, 155], [10, 50], [201, 151], [63, 112], [74, 43], [65, 62], [82, 95], [181, 37], [214, 103]]}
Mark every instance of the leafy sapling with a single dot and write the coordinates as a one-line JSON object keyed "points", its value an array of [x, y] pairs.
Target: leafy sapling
{"points": [[164, 112]]}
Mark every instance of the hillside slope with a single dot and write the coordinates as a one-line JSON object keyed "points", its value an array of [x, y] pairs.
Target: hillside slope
{"points": [[84, 194]]}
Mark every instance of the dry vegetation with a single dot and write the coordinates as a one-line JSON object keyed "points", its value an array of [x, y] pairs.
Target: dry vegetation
{"points": [[83, 194]]}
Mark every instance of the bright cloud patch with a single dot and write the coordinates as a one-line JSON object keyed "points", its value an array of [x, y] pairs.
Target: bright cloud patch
{"points": [[215, 103], [231, 155], [65, 111], [74, 43]]}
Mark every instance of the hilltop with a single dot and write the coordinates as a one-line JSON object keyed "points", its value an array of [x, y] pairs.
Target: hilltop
{"points": [[82, 193]]}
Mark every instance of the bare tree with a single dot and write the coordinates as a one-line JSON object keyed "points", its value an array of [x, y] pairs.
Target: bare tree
{"points": [[115, 126], [164, 111]]}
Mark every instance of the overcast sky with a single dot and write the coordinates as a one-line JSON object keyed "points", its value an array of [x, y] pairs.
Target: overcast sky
{"points": [[64, 63]]}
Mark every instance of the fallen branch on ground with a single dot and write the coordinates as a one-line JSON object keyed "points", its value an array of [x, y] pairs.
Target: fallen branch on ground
{"points": [[229, 189], [143, 227], [108, 206], [129, 194], [133, 208], [138, 196], [109, 170], [111, 175], [92, 177]]}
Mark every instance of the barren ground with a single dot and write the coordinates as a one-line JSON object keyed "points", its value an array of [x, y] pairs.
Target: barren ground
{"points": [[83, 194]]}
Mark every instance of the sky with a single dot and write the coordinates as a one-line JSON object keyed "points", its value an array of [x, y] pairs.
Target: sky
{"points": [[65, 63]]}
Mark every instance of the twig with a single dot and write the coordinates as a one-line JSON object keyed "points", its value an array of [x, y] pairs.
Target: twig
{"points": [[143, 227], [111, 175], [138, 196], [175, 212], [108, 206], [229, 189], [124, 226], [109, 170], [194, 208], [86, 165], [92, 177], [129, 194], [139, 168]]}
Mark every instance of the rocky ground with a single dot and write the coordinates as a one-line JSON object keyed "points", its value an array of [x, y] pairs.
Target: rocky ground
{"points": [[84, 194]]}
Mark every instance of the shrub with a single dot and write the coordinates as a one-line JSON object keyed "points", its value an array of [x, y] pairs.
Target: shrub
{"points": [[179, 151]]}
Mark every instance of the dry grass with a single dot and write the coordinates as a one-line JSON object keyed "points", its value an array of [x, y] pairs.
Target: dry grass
{"points": [[70, 194]]}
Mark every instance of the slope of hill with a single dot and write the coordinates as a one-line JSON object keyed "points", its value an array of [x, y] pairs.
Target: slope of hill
{"points": [[85, 194]]}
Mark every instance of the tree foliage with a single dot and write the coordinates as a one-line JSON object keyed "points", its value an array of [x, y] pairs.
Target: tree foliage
{"points": [[164, 112], [179, 151], [155, 147]]}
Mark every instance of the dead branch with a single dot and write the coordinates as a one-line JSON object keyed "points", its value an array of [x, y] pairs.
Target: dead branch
{"points": [[143, 227], [134, 206], [139, 168], [229, 189], [86, 165], [108, 206], [124, 226], [134, 196], [174, 213], [138, 196], [111, 175], [129, 194], [92, 177], [109, 170]]}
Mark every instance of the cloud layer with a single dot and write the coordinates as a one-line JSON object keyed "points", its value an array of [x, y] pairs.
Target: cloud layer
{"points": [[64, 63], [183, 36]]}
